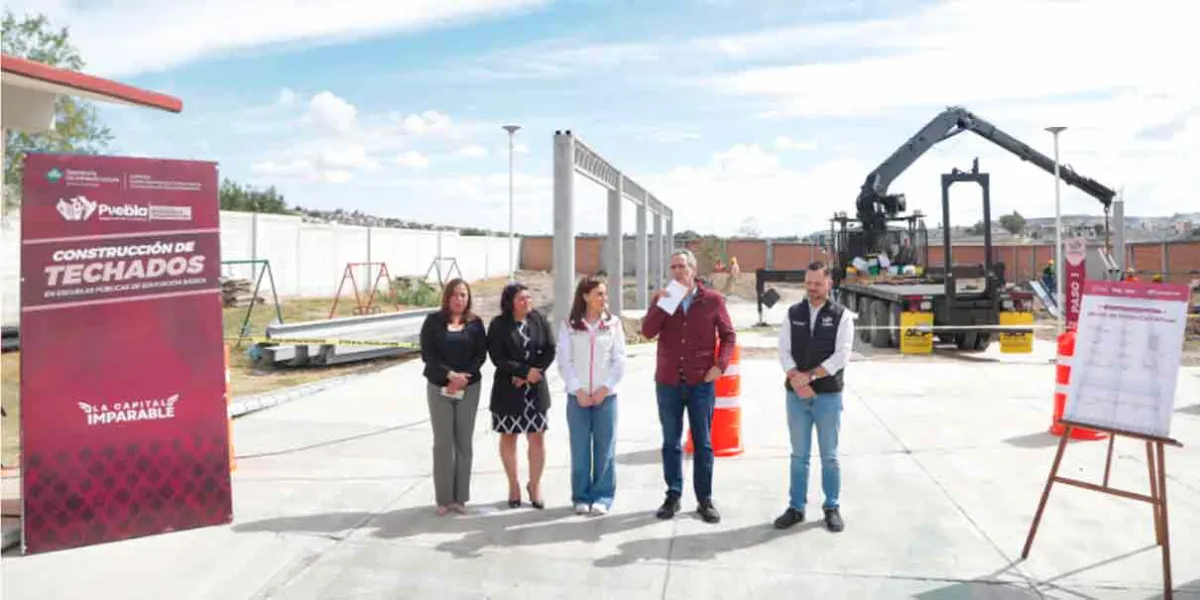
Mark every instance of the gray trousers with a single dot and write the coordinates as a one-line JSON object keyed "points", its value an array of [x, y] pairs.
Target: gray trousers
{"points": [[453, 427]]}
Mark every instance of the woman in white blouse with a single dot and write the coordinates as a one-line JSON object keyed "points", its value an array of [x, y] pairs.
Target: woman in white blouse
{"points": [[591, 359]]}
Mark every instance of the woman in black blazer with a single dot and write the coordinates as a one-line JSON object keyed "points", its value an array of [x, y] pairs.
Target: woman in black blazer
{"points": [[521, 346], [454, 348]]}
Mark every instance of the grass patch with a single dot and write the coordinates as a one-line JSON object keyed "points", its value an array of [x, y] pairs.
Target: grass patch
{"points": [[414, 292]]}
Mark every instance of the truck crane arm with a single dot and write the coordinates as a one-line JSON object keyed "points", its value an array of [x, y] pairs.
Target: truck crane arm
{"points": [[875, 205]]}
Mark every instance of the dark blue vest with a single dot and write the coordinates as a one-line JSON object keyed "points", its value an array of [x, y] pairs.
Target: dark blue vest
{"points": [[809, 350]]}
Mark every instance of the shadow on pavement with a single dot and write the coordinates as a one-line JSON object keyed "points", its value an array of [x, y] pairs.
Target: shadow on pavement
{"points": [[699, 546], [992, 590], [489, 526], [1190, 589], [1189, 410], [987, 586], [401, 523], [583, 529], [1041, 439], [641, 457]]}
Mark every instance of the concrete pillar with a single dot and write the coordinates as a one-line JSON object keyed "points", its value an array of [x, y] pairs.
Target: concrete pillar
{"points": [[564, 226], [670, 236], [656, 252], [771, 254], [640, 258], [614, 252]]}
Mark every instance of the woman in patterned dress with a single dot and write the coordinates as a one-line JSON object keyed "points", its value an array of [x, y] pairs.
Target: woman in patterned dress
{"points": [[521, 346]]}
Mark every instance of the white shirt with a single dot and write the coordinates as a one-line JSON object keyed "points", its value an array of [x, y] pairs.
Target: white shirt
{"points": [[841, 348], [581, 355]]}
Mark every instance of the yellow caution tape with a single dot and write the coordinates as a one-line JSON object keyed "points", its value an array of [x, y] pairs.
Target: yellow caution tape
{"points": [[324, 342]]}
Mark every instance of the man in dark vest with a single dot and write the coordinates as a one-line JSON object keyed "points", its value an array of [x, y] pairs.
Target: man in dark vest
{"points": [[814, 347]]}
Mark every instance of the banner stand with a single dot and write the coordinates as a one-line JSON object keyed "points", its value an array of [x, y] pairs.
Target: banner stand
{"points": [[124, 429]]}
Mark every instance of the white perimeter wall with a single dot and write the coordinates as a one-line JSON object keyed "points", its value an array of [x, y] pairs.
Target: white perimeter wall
{"points": [[308, 259]]}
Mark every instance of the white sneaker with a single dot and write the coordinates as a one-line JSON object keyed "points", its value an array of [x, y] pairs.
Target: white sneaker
{"points": [[582, 509], [599, 510]]}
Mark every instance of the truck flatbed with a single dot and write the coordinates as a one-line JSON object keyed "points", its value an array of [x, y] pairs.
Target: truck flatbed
{"points": [[897, 290]]}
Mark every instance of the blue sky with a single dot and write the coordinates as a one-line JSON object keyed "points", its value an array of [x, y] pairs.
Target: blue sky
{"points": [[763, 114]]}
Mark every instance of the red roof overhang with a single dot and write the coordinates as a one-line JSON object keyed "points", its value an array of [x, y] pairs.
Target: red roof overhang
{"points": [[35, 75]]}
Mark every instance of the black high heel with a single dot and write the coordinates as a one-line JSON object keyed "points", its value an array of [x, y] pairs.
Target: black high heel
{"points": [[514, 503], [538, 504]]}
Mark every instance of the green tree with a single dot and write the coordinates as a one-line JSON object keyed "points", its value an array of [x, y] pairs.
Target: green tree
{"points": [[77, 128], [1014, 223], [238, 197]]}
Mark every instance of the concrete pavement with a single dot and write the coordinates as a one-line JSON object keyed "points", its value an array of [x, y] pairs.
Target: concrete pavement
{"points": [[943, 462]]}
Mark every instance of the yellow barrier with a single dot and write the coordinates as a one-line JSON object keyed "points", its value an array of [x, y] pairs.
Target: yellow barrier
{"points": [[1016, 343], [913, 341]]}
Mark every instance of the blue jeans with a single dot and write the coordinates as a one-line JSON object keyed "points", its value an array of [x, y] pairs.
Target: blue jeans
{"points": [[593, 433], [825, 412], [699, 400]]}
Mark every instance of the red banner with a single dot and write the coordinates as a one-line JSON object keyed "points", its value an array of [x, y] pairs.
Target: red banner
{"points": [[123, 422], [1074, 276]]}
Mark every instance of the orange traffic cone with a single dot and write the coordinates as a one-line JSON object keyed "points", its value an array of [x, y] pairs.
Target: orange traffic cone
{"points": [[1062, 384], [727, 414]]}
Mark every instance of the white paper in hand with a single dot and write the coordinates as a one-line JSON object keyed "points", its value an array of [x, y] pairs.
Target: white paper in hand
{"points": [[455, 395], [673, 297]]}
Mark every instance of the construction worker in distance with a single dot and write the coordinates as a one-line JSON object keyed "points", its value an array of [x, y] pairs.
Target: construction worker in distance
{"points": [[1158, 278], [1130, 275], [1048, 278], [731, 280], [814, 347]]}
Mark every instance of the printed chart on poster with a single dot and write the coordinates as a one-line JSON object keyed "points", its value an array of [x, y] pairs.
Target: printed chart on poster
{"points": [[1127, 353]]}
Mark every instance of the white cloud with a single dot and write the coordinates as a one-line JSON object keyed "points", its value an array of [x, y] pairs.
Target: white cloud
{"points": [[287, 97], [784, 143], [349, 156], [301, 169], [747, 181], [963, 51], [426, 123], [668, 135], [1118, 84], [473, 151], [330, 112], [413, 160], [193, 30], [520, 149], [560, 57]]}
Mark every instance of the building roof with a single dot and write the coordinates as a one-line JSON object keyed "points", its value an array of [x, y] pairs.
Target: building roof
{"points": [[35, 75]]}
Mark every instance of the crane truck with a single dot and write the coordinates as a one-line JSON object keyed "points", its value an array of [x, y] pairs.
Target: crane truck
{"points": [[965, 300]]}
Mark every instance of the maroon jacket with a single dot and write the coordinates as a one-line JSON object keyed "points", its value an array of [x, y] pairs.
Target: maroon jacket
{"points": [[689, 341]]}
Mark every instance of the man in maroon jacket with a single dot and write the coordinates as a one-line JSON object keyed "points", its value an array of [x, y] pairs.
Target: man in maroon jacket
{"points": [[689, 362]]}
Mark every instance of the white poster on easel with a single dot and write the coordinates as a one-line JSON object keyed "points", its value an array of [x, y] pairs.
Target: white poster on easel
{"points": [[1128, 348]]}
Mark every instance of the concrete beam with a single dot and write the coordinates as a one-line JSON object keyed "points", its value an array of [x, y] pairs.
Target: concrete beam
{"points": [[564, 226], [656, 251], [641, 257], [614, 262], [572, 156]]}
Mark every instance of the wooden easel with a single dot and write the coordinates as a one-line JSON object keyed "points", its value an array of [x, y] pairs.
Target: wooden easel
{"points": [[1158, 488]]}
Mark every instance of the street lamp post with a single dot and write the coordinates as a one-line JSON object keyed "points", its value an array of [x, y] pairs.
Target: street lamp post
{"points": [[511, 129], [1058, 247]]}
